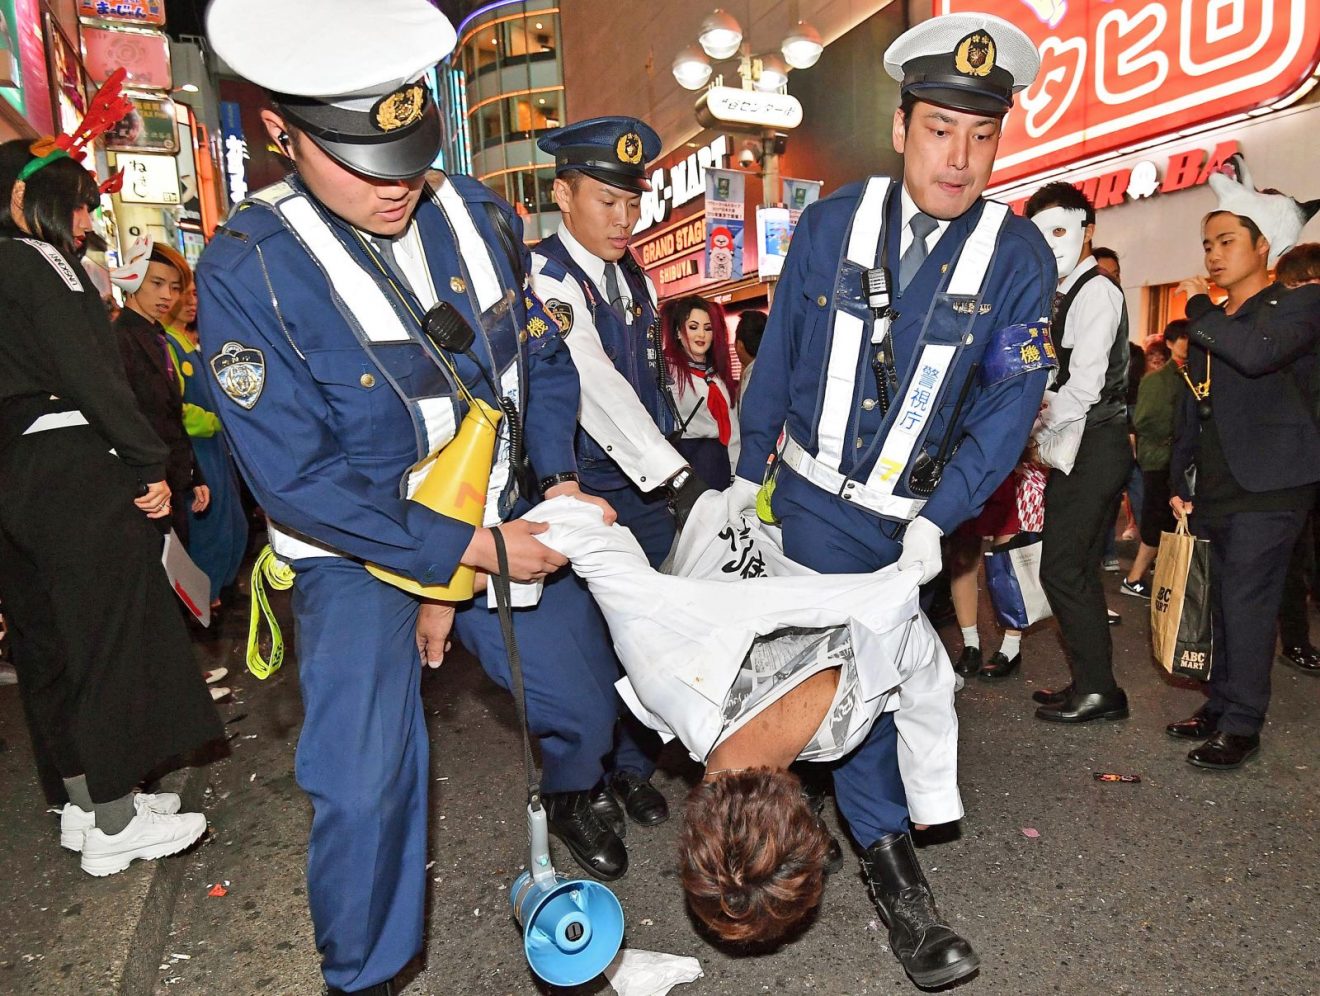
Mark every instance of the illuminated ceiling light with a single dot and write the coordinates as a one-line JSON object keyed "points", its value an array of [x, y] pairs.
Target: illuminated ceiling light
{"points": [[540, 100], [691, 68], [803, 46], [774, 74], [538, 25], [720, 35], [189, 88]]}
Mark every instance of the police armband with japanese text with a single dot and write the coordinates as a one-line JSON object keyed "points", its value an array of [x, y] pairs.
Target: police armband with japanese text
{"points": [[1015, 350]]}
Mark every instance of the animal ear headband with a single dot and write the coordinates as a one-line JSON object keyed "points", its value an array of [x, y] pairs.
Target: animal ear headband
{"points": [[1280, 217]]}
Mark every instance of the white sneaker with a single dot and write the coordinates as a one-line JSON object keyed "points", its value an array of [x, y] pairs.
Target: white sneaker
{"points": [[75, 822], [149, 835], [214, 675]]}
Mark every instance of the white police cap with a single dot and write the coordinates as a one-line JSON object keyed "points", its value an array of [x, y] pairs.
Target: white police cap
{"points": [[969, 62], [345, 72]]}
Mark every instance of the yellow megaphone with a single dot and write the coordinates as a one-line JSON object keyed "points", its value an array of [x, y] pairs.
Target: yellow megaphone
{"points": [[455, 486]]}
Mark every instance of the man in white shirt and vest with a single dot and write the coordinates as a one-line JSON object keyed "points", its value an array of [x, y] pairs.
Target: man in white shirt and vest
{"points": [[1082, 434]]}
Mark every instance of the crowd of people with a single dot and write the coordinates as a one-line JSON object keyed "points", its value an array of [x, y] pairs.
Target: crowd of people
{"points": [[347, 324]]}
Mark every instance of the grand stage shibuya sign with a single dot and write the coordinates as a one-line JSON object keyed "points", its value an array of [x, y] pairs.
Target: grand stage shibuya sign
{"points": [[1120, 74]]}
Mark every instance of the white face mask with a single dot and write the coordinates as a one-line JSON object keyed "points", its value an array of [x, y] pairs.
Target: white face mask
{"points": [[1066, 243]]}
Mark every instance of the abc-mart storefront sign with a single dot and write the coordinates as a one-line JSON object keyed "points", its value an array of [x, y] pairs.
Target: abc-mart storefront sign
{"points": [[1117, 76]]}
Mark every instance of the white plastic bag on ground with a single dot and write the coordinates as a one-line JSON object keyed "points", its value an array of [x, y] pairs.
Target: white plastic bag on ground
{"points": [[650, 973]]}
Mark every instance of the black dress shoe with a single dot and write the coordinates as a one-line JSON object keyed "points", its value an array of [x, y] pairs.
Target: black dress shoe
{"points": [[588, 838], [607, 807], [1197, 726], [1225, 751], [999, 666], [1051, 698], [929, 950], [970, 661], [1077, 708], [1304, 658], [641, 800]]}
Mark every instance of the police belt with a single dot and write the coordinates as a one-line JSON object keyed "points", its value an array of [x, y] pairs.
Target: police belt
{"points": [[891, 506]]}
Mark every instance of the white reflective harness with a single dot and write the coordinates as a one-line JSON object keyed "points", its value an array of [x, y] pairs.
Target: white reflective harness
{"points": [[926, 380], [363, 302]]}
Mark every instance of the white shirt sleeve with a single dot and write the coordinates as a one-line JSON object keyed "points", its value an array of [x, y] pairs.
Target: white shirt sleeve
{"points": [[610, 410], [1092, 324]]}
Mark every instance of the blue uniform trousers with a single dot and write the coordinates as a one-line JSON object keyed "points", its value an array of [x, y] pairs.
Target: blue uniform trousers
{"points": [[363, 753], [569, 669], [825, 533], [647, 516], [363, 760]]}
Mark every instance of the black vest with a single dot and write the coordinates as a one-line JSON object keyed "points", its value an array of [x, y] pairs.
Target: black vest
{"points": [[1112, 402]]}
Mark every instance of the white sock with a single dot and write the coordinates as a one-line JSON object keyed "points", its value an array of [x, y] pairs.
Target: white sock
{"points": [[971, 638], [1011, 645]]}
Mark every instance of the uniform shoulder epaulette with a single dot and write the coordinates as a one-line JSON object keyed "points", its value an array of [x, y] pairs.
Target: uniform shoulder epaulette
{"points": [[1015, 350], [548, 266], [250, 224]]}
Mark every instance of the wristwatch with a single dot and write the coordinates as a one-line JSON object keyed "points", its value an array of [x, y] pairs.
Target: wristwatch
{"points": [[546, 483]]}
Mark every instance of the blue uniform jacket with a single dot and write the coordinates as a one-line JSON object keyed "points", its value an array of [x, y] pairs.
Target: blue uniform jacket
{"points": [[327, 441], [791, 363]]}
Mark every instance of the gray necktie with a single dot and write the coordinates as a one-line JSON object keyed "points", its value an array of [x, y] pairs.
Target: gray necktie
{"points": [[386, 248], [922, 225], [612, 287]]}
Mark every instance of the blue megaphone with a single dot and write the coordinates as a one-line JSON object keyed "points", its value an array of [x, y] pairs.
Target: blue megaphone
{"points": [[572, 928]]}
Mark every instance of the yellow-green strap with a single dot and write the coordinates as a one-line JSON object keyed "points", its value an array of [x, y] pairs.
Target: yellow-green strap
{"points": [[268, 570]]}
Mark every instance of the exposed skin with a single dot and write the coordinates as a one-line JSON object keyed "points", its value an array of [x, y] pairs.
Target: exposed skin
{"points": [[186, 312], [1237, 266], [947, 157], [1107, 266], [697, 334], [160, 290], [774, 737], [599, 216], [156, 502]]}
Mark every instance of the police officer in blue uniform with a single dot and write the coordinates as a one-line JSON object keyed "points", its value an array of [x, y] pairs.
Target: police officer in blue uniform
{"points": [[333, 312], [905, 358], [607, 311]]}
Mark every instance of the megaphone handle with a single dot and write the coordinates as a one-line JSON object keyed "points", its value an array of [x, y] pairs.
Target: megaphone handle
{"points": [[503, 600]]}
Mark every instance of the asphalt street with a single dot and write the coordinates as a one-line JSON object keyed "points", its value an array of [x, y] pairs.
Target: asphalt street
{"points": [[1190, 882]]}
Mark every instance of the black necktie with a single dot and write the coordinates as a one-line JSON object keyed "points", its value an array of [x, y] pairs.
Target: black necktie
{"points": [[612, 288], [386, 248]]}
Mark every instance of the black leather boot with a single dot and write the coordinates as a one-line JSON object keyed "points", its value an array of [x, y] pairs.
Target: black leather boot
{"points": [[929, 950], [589, 839]]}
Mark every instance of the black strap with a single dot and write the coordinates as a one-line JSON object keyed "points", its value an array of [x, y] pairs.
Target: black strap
{"points": [[509, 242], [503, 598]]}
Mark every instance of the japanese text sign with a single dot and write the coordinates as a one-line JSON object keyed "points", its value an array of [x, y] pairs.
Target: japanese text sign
{"points": [[136, 11], [1120, 73]]}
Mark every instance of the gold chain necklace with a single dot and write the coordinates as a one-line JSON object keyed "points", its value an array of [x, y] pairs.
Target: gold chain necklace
{"points": [[1200, 391]]}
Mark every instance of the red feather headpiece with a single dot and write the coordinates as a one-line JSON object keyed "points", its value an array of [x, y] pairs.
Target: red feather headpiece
{"points": [[106, 109]]}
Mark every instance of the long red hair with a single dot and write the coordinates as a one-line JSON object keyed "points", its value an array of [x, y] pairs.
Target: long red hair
{"points": [[672, 317]]}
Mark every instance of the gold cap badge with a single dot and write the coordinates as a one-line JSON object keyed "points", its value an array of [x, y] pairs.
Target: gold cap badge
{"points": [[400, 109], [629, 148], [975, 55]]}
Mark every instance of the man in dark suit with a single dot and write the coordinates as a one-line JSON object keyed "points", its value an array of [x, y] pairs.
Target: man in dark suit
{"points": [[156, 384], [1248, 427]]}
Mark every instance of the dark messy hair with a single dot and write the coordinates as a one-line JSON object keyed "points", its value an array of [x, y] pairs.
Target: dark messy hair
{"points": [[1176, 329], [1252, 228], [1104, 252], [752, 855], [1062, 194], [751, 327], [50, 196]]}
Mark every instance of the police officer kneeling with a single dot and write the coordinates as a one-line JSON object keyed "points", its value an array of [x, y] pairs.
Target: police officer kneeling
{"points": [[905, 359], [314, 301]]}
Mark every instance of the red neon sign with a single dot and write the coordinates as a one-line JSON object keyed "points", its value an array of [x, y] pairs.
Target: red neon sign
{"points": [[1122, 72]]}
